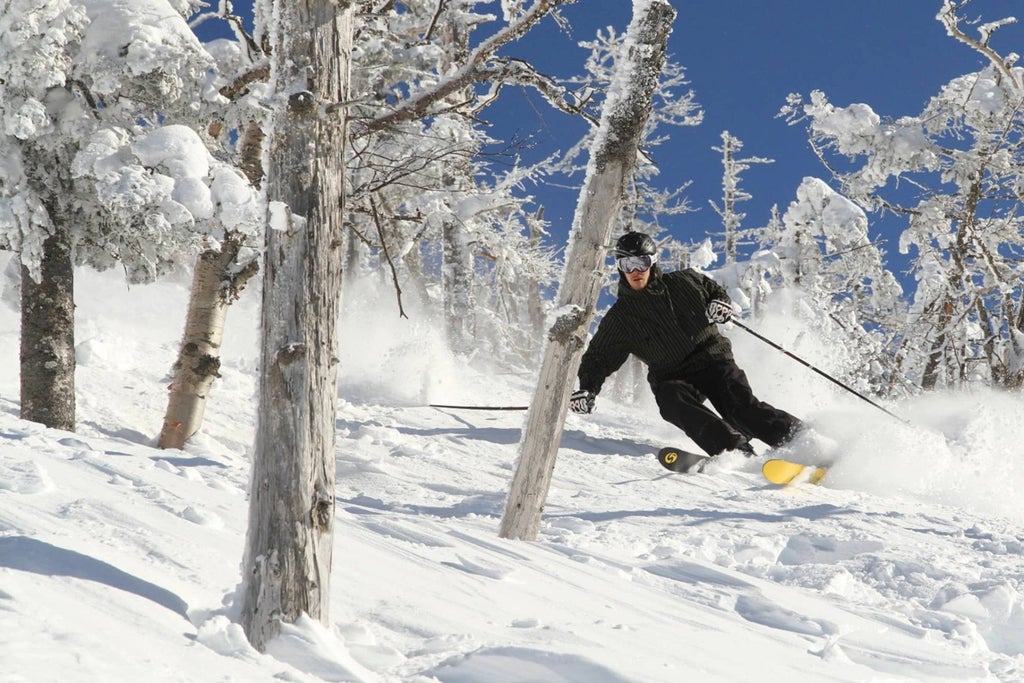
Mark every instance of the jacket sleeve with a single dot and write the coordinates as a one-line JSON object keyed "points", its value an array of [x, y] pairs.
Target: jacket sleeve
{"points": [[607, 351], [712, 290]]}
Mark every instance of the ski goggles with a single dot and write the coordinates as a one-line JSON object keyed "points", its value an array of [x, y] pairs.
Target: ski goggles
{"points": [[631, 264]]}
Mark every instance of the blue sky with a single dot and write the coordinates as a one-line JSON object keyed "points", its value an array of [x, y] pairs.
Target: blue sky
{"points": [[743, 57]]}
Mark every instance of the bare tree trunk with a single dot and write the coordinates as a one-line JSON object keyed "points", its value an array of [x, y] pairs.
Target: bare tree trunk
{"points": [[287, 563], [457, 275], [214, 287], [613, 159], [457, 285], [48, 337]]}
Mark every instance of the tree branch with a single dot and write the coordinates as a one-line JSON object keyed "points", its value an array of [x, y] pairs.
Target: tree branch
{"points": [[475, 69], [391, 265], [951, 21]]}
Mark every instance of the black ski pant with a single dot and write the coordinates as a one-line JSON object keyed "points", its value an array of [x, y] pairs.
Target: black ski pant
{"points": [[741, 416]]}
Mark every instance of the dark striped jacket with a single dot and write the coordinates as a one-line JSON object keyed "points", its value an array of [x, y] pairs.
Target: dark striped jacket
{"points": [[665, 325]]}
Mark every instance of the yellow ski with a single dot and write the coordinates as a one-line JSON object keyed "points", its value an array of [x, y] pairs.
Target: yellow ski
{"points": [[783, 472]]}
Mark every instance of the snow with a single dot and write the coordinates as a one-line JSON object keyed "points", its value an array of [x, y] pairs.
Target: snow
{"points": [[157, 40], [120, 562]]}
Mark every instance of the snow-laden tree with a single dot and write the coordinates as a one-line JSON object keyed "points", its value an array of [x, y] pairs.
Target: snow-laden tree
{"points": [[232, 124], [825, 250], [80, 84], [827, 257], [613, 160], [955, 172]]}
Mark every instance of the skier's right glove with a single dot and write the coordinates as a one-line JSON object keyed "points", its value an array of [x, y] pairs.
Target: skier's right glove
{"points": [[719, 312], [582, 401]]}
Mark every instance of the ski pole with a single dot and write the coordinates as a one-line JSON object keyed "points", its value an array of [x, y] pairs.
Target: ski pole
{"points": [[823, 374], [439, 405]]}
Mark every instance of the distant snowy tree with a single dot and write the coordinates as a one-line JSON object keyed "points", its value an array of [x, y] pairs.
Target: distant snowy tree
{"points": [[81, 85], [825, 250], [763, 266], [457, 233], [732, 195], [963, 155], [612, 163]]}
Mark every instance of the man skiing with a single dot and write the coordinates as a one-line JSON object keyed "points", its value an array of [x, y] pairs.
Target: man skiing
{"points": [[667, 320]]}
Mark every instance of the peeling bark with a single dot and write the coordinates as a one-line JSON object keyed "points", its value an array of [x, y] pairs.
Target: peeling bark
{"points": [[287, 564]]}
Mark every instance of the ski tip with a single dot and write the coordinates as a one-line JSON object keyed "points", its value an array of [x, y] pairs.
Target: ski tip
{"points": [[668, 456], [678, 460]]}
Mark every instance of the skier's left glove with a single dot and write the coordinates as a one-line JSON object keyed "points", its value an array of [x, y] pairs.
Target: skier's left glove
{"points": [[582, 402], [719, 311]]}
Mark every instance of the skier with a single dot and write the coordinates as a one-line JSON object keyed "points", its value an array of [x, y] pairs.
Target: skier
{"points": [[667, 320]]}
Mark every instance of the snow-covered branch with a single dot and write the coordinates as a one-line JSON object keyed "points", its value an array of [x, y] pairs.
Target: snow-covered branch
{"points": [[479, 67], [951, 20]]}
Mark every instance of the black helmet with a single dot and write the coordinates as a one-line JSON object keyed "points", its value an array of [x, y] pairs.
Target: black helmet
{"points": [[635, 244]]}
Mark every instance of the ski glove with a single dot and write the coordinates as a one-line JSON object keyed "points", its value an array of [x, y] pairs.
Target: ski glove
{"points": [[719, 311], [582, 402]]}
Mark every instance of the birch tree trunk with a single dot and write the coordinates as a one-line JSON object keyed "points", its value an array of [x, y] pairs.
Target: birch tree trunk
{"points": [[47, 357], [613, 159], [287, 564], [214, 286]]}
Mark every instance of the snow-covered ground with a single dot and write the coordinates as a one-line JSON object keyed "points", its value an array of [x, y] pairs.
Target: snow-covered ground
{"points": [[119, 562]]}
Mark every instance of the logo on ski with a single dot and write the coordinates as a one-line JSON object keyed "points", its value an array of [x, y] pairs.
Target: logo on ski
{"points": [[678, 460]]}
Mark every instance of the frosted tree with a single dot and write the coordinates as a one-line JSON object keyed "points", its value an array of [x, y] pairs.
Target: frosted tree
{"points": [[612, 162], [824, 246], [230, 254], [423, 199], [963, 158], [763, 266], [732, 195], [825, 254], [80, 85]]}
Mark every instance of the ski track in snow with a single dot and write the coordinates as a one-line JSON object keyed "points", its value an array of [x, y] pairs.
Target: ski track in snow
{"points": [[109, 546]]}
